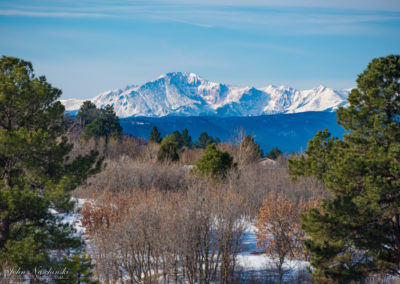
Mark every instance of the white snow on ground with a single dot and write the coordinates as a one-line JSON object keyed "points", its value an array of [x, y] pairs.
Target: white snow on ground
{"points": [[248, 260], [73, 218], [251, 261]]}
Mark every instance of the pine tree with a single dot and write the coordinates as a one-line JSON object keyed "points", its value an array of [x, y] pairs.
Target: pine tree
{"points": [[186, 139], [205, 140], [168, 149], [87, 113], [183, 139], [274, 153], [155, 136], [214, 163], [36, 174], [357, 232], [177, 137], [105, 125], [77, 269]]}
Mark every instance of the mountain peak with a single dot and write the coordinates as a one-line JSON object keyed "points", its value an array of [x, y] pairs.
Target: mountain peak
{"points": [[187, 94], [179, 75]]}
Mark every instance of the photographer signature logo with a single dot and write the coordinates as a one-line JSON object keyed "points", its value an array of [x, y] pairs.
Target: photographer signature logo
{"points": [[40, 273]]}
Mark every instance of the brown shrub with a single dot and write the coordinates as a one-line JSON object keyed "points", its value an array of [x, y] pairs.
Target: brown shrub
{"points": [[127, 146], [190, 156], [254, 183], [127, 175]]}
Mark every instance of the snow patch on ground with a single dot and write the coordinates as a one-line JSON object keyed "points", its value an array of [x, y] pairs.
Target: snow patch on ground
{"points": [[250, 261], [73, 218]]}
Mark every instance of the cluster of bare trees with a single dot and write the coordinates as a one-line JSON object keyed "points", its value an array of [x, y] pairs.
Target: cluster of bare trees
{"points": [[153, 222], [252, 182], [169, 237]]}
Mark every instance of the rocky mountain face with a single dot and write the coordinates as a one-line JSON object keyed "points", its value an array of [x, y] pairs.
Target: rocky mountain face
{"points": [[187, 94]]}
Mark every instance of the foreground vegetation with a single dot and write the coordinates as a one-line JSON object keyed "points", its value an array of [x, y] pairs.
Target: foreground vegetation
{"points": [[357, 232], [171, 210], [37, 176], [147, 218]]}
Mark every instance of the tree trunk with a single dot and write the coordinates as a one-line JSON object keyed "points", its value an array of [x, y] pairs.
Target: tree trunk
{"points": [[106, 145], [280, 275], [4, 230], [5, 222], [396, 232], [7, 173], [280, 269]]}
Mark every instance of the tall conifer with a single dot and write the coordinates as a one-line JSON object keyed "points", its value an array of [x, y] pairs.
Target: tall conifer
{"points": [[357, 232], [155, 135], [36, 174]]}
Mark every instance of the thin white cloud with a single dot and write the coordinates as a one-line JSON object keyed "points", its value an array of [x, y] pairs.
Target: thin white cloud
{"points": [[363, 5], [282, 21], [49, 14], [278, 20], [271, 46]]}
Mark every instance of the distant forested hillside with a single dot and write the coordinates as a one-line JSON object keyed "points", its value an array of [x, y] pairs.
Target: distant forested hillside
{"points": [[290, 132]]}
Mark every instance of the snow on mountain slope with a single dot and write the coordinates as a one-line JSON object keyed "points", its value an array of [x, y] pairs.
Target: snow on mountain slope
{"points": [[320, 98], [187, 94], [72, 104]]}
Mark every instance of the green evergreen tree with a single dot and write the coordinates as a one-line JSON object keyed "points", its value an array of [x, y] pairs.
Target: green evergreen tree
{"points": [[77, 268], [105, 125], [87, 113], [357, 232], [182, 139], [168, 149], [274, 153], [36, 174], [178, 139], [155, 136], [186, 139], [214, 163], [205, 140]]}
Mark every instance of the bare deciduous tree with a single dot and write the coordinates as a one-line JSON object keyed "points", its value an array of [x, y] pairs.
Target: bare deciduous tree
{"points": [[278, 230]]}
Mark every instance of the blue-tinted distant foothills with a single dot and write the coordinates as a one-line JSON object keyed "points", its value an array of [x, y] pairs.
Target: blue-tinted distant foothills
{"points": [[87, 47]]}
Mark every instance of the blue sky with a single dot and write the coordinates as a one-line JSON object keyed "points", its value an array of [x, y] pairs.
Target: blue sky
{"points": [[86, 47]]}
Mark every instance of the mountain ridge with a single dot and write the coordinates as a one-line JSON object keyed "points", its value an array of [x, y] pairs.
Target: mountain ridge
{"points": [[187, 94]]}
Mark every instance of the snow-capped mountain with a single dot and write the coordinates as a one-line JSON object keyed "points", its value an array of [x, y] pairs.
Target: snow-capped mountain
{"points": [[186, 94]]}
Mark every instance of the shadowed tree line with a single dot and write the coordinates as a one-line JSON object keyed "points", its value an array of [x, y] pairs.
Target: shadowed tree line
{"points": [[171, 146]]}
